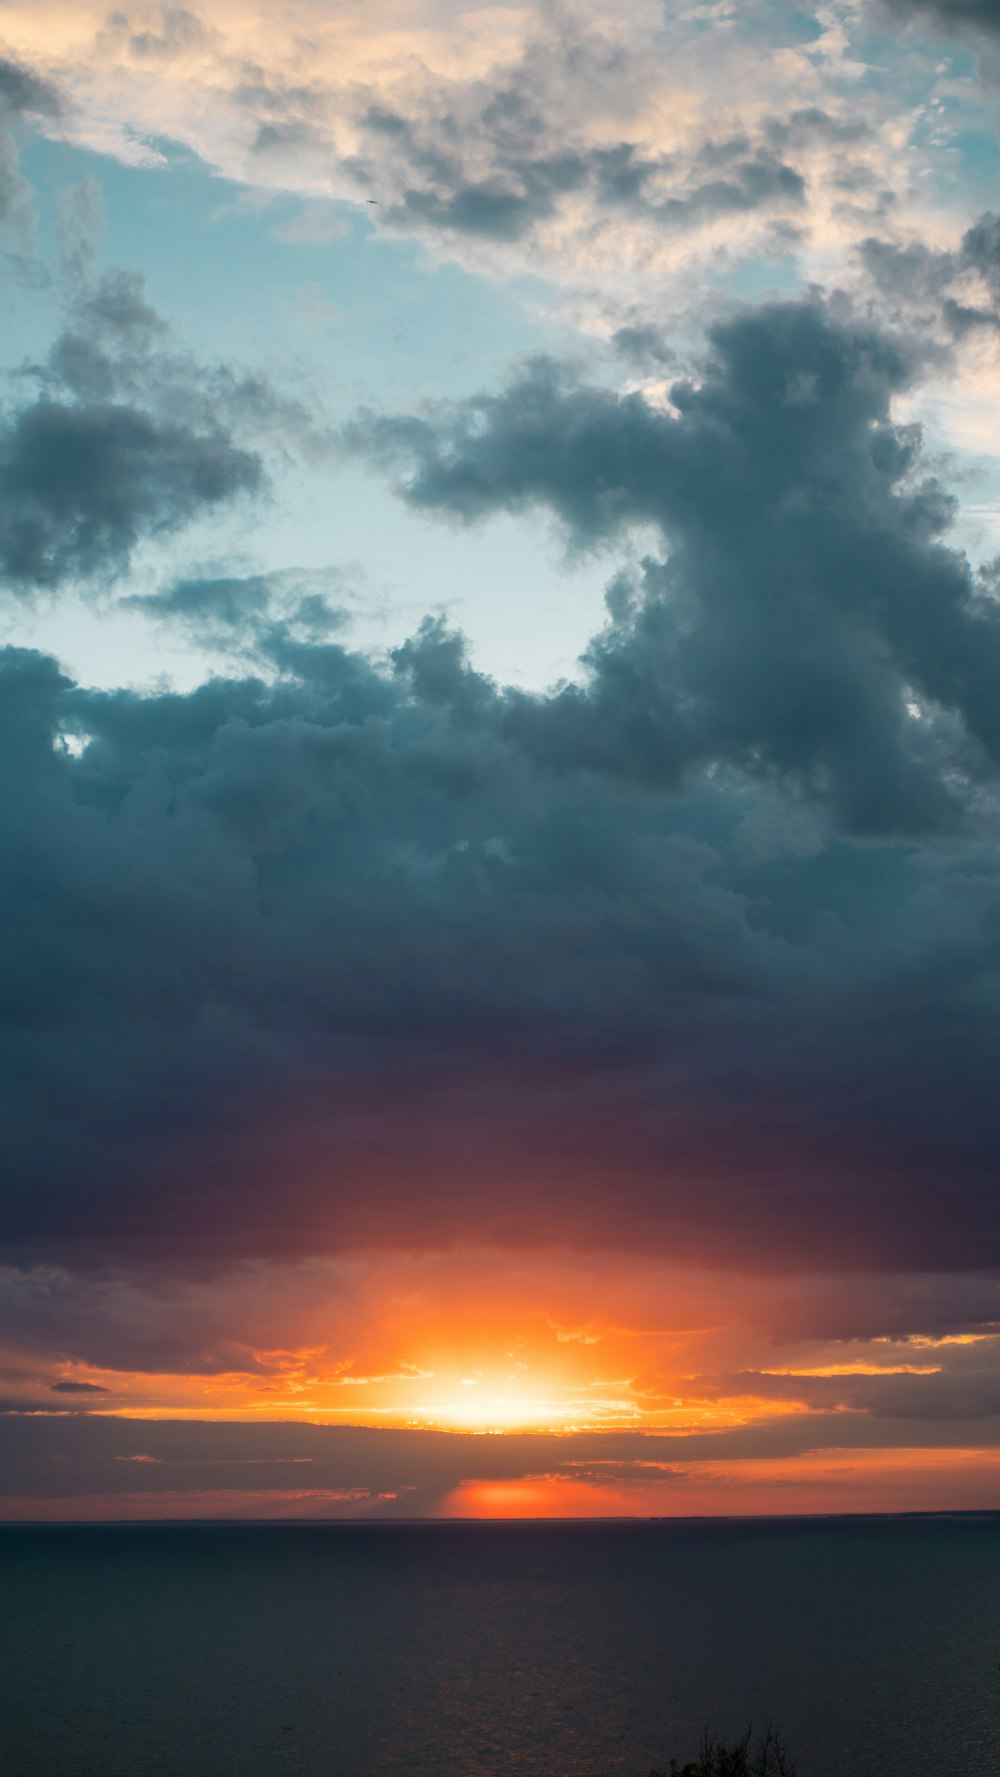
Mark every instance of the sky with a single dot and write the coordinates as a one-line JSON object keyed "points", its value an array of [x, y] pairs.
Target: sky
{"points": [[500, 767]]}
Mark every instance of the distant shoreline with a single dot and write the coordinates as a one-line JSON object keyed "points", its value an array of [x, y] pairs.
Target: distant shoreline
{"points": [[363, 1523]]}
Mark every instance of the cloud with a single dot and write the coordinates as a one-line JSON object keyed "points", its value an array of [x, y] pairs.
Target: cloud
{"points": [[126, 438], [559, 142], [24, 97], [941, 1384], [805, 605], [24, 93], [975, 15], [209, 606], [344, 960], [957, 288], [81, 485], [180, 33], [116, 1461], [697, 955], [263, 617], [530, 178]]}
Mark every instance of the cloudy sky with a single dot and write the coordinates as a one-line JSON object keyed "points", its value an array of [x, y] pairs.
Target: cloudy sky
{"points": [[500, 707]]}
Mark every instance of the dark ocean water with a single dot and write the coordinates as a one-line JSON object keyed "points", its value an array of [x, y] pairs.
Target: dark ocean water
{"points": [[478, 1650]]}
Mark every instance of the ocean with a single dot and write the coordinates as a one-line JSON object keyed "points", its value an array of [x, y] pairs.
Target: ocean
{"points": [[498, 1650]]}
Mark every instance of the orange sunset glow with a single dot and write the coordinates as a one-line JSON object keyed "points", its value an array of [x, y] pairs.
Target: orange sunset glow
{"points": [[687, 1393]]}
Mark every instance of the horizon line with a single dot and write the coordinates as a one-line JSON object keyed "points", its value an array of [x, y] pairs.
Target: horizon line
{"points": [[361, 1522]]}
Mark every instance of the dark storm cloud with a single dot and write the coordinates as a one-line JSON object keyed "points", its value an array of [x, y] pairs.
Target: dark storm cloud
{"points": [[81, 485], [878, 1307], [76, 1388], [975, 15], [805, 601], [700, 955], [126, 438]]}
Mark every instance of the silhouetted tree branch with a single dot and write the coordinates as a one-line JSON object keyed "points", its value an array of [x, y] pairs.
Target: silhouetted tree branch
{"points": [[763, 1757]]}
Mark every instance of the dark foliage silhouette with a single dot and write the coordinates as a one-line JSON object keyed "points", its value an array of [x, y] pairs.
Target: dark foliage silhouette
{"points": [[763, 1757]]}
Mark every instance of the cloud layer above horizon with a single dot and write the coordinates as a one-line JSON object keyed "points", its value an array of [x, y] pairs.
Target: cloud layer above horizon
{"points": [[393, 1042]]}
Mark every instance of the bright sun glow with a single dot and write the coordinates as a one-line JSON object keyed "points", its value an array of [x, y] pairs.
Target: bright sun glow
{"points": [[483, 1408]]}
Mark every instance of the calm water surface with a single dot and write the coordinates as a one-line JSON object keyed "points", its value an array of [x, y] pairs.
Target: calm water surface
{"points": [[497, 1650]]}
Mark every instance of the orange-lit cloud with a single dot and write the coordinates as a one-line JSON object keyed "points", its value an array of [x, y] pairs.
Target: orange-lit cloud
{"points": [[656, 1390], [283, 102], [865, 1481], [475, 1341]]}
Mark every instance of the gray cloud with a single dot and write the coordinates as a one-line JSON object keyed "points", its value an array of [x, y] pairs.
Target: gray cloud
{"points": [[806, 600], [525, 191], [698, 955], [492, 159], [25, 93], [960, 1383], [180, 32], [976, 15], [54, 1456], [426, 159], [80, 485], [212, 606], [261, 620], [126, 438], [23, 97], [918, 285]]}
